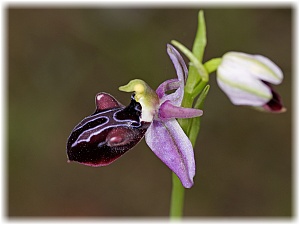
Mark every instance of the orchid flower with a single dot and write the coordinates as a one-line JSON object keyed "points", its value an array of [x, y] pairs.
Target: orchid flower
{"points": [[165, 137], [113, 129], [246, 79]]}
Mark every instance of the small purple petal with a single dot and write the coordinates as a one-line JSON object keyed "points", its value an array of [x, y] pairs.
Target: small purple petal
{"points": [[169, 111], [167, 85], [168, 141], [177, 96]]}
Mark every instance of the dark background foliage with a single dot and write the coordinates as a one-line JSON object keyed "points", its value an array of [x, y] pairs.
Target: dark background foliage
{"points": [[59, 58]]}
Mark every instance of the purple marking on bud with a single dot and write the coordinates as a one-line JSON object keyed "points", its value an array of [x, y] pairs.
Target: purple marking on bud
{"points": [[275, 104]]}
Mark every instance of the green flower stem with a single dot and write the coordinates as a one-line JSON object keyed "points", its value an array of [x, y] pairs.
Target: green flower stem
{"points": [[196, 83], [177, 198]]}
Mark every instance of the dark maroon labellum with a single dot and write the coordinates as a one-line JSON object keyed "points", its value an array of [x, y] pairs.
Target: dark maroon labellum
{"points": [[108, 133]]}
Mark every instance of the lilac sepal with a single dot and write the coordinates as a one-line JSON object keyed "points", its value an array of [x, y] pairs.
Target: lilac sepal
{"points": [[174, 148], [181, 71], [168, 111], [178, 62]]}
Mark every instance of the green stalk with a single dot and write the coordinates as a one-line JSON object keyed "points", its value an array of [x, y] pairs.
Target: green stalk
{"points": [[197, 77], [177, 198]]}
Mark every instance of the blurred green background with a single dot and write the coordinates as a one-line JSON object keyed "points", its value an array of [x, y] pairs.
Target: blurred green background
{"points": [[59, 59]]}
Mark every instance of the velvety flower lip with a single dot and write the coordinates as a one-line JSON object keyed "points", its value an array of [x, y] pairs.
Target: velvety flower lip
{"points": [[165, 137], [108, 133], [247, 80]]}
